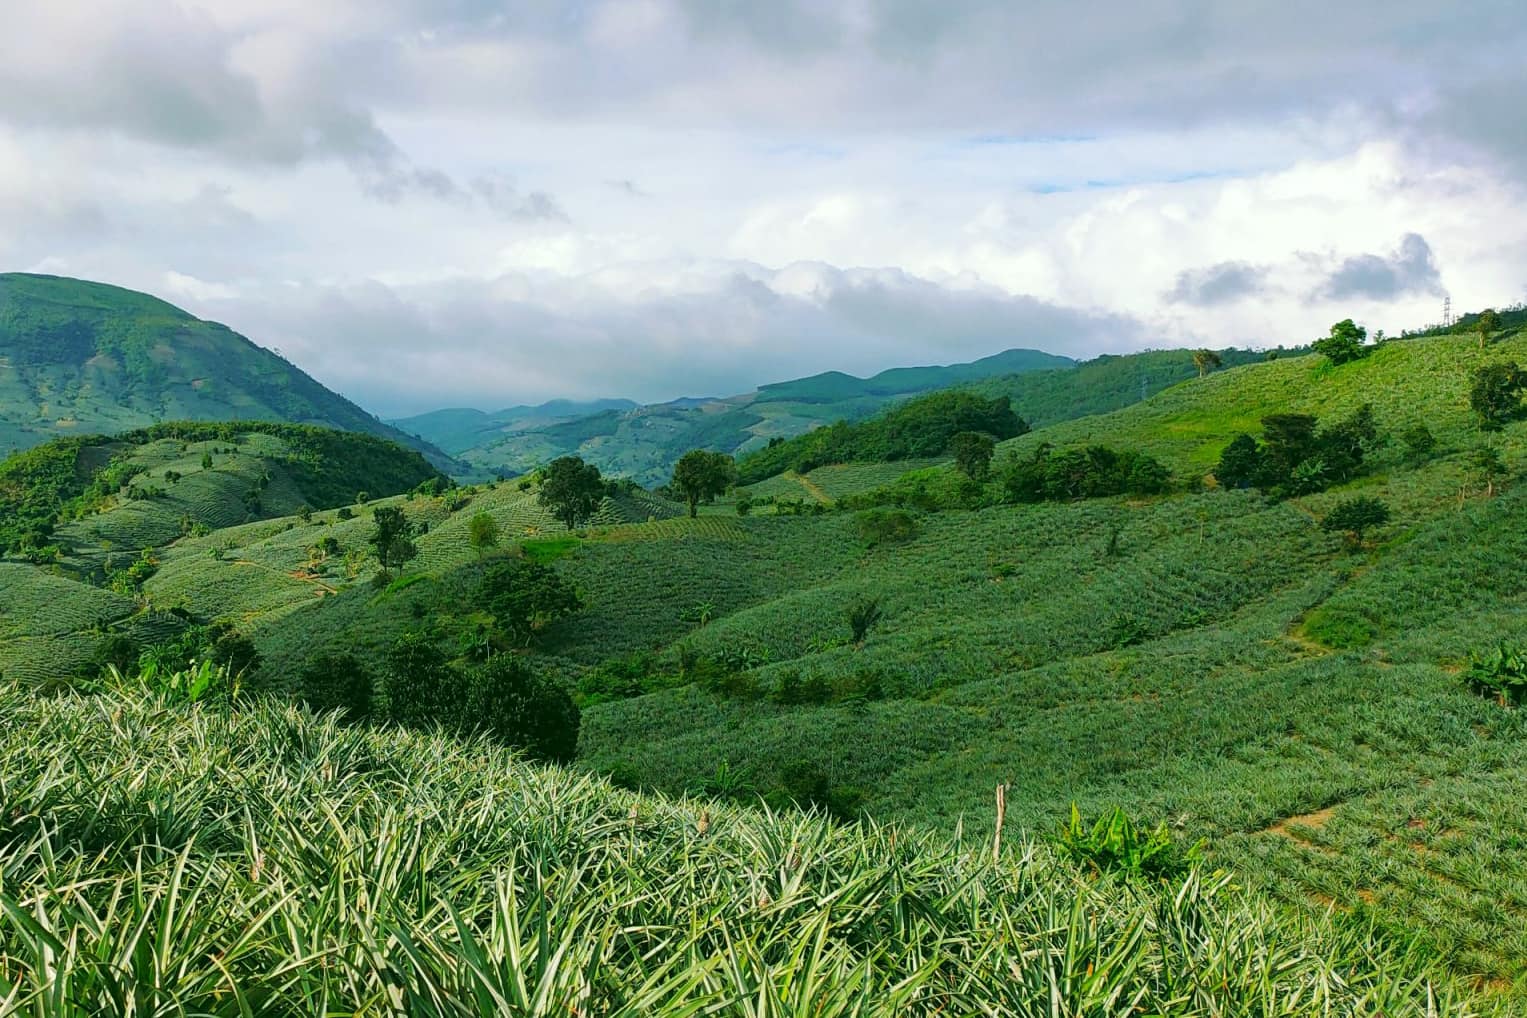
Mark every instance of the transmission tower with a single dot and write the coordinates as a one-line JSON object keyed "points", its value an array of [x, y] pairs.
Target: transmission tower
{"points": [[1447, 310]]}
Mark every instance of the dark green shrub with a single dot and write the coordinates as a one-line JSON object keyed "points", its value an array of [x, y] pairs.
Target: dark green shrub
{"points": [[1114, 845], [1340, 629], [1419, 443], [419, 686], [530, 712], [337, 682], [118, 651], [863, 616], [1354, 516], [885, 526]]}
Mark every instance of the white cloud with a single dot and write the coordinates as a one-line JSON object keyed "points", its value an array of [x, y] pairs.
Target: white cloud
{"points": [[480, 200]]}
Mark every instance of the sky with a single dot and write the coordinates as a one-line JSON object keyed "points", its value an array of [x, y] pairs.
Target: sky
{"points": [[430, 203]]}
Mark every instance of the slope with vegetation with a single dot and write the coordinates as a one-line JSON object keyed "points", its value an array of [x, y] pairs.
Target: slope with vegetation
{"points": [[83, 358], [1325, 698], [252, 859]]}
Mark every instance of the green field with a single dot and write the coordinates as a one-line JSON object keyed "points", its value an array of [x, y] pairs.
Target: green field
{"points": [[1211, 659]]}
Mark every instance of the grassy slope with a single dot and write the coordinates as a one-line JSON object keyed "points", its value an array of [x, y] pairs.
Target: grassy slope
{"points": [[259, 861], [1185, 678], [81, 358]]}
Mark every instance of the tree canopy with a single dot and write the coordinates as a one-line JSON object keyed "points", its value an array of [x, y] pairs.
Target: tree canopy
{"points": [[700, 476], [1345, 343], [572, 489]]}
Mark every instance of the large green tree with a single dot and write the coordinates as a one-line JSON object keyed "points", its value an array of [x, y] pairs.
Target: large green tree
{"points": [[1206, 361], [391, 538], [572, 489], [1495, 393], [1345, 343], [483, 532], [700, 476], [1487, 324], [972, 453]]}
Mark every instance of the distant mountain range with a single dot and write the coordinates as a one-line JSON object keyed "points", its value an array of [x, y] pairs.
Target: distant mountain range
{"points": [[643, 441], [79, 358]]}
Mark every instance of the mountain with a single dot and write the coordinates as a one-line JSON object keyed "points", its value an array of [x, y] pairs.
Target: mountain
{"points": [[458, 429], [81, 358], [643, 442]]}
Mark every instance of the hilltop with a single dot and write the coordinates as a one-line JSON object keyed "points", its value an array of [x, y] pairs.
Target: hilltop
{"points": [[84, 358], [643, 442]]}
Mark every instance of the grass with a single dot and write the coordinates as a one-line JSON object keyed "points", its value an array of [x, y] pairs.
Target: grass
{"points": [[163, 859]]}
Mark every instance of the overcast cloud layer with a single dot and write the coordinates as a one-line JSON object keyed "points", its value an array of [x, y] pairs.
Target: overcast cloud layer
{"points": [[448, 202]]}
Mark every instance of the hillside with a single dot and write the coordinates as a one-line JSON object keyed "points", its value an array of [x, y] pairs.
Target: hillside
{"points": [[1207, 658], [643, 442], [257, 860], [82, 358]]}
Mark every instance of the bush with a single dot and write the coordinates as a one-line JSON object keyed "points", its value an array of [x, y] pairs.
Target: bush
{"points": [[1354, 516], [1500, 675], [1419, 442], [337, 682], [524, 597], [514, 705], [419, 687], [1094, 472], [1114, 845], [864, 616], [886, 526]]}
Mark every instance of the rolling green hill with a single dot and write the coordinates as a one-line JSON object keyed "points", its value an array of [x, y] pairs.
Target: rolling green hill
{"points": [[643, 442], [1210, 659], [82, 358]]}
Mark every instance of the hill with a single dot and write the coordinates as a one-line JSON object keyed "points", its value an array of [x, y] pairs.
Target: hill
{"points": [[643, 442], [83, 358], [205, 860], [1208, 658]]}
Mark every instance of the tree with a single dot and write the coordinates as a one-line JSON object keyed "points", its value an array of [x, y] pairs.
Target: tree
{"points": [[1487, 325], [1487, 460], [863, 616], [972, 452], [1495, 394], [524, 597], [571, 489], [1354, 516], [700, 474], [1287, 441], [391, 538], [1345, 343], [419, 686], [1240, 465], [483, 531], [206, 461], [530, 712], [1206, 361]]}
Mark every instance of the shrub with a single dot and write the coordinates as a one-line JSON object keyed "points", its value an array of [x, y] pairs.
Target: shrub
{"points": [[1419, 442], [419, 687], [1500, 675], [337, 682], [1354, 516], [886, 526], [524, 597], [1114, 845], [863, 616], [117, 651], [507, 700], [1495, 394]]}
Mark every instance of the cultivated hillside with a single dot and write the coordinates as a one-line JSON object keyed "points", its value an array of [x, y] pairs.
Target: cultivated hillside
{"points": [[229, 861], [892, 640], [643, 442], [82, 358]]}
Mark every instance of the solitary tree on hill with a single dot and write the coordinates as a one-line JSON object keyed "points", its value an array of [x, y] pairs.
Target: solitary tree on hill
{"points": [[1355, 516], [1487, 460], [1495, 394], [391, 538], [572, 489], [702, 475], [1206, 361], [1345, 343], [483, 531], [1487, 325]]}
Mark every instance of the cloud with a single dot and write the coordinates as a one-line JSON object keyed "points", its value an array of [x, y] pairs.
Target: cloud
{"points": [[1411, 269], [1217, 284]]}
